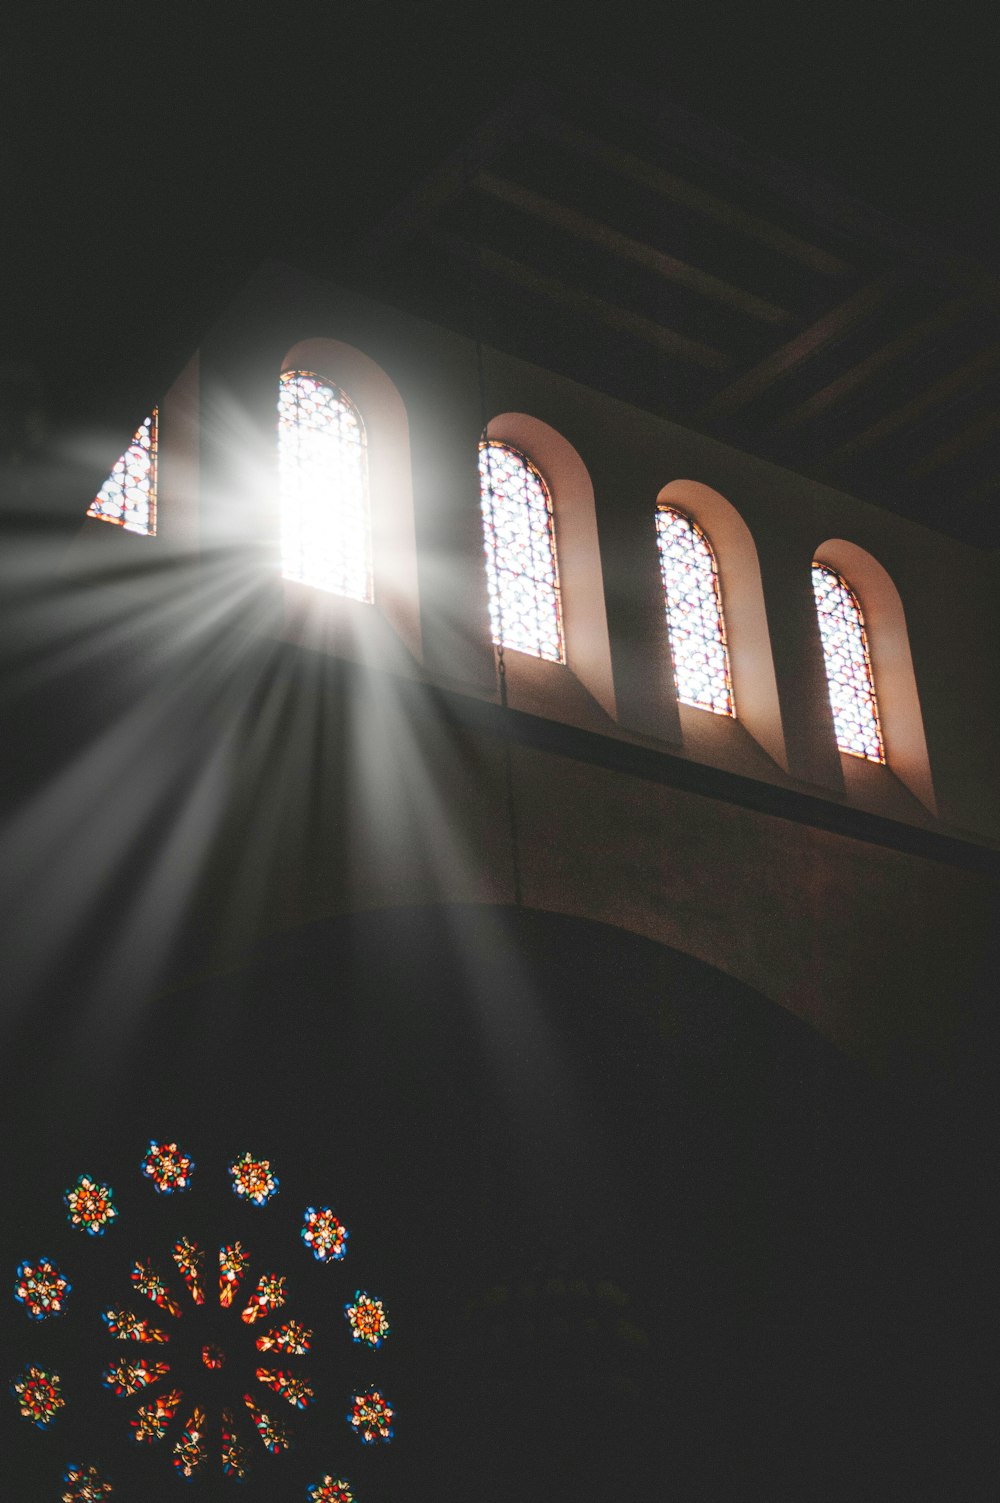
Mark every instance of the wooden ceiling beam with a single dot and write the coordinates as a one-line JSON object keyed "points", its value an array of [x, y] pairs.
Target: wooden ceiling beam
{"points": [[666, 340], [637, 251], [709, 205], [453, 176], [938, 260], [809, 342], [964, 378], [852, 380]]}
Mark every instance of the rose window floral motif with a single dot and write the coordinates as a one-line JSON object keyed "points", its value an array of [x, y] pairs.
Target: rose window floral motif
{"points": [[180, 1394], [39, 1396], [167, 1167], [91, 1206], [330, 1490], [323, 1234], [371, 1417], [41, 1288], [367, 1319], [85, 1484], [253, 1180]]}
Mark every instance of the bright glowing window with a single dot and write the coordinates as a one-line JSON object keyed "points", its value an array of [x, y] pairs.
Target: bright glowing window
{"points": [[848, 666], [128, 496], [694, 613], [519, 540], [325, 506]]}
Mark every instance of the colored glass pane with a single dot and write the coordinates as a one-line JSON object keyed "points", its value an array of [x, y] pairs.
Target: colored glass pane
{"points": [[694, 614], [522, 576], [127, 1378], [90, 1205], [125, 1326], [234, 1452], [232, 1262], [39, 1396], [41, 1288], [85, 1484], [330, 1490], [848, 666], [190, 1260], [253, 1179], [371, 1417], [367, 1319], [155, 1419], [167, 1167], [190, 1451], [152, 1420], [271, 1431], [325, 509], [268, 1296], [128, 496], [291, 1338], [324, 1235], [287, 1386], [148, 1282]]}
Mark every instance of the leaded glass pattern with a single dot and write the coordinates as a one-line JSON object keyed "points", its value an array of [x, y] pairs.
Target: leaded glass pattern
{"points": [[325, 505], [128, 496], [164, 1416], [695, 623], [519, 539], [848, 666]]}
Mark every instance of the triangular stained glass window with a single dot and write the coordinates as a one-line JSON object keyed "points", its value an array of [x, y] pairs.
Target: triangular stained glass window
{"points": [[128, 496]]}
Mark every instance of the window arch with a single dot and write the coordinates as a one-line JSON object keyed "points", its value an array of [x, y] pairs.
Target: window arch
{"points": [[325, 501], [695, 622], [522, 570], [848, 665], [128, 496]]}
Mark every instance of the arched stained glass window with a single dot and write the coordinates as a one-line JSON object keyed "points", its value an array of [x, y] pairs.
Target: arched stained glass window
{"points": [[520, 544], [128, 496], [694, 613], [325, 505], [848, 666]]}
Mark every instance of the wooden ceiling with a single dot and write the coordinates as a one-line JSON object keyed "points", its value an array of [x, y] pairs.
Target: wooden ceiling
{"points": [[646, 252]]}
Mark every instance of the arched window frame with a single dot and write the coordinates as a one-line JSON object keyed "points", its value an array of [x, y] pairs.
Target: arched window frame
{"points": [[354, 575], [748, 633], [893, 670], [720, 700], [507, 635], [869, 743], [389, 627]]}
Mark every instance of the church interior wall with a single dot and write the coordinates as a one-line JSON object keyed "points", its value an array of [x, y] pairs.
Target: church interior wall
{"points": [[779, 904], [631, 456]]}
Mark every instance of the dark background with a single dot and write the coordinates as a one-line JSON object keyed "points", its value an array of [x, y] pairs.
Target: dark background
{"points": [[793, 1254], [638, 1230], [154, 155]]}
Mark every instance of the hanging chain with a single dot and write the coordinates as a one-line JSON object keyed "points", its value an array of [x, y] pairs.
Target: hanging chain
{"points": [[475, 264]]}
